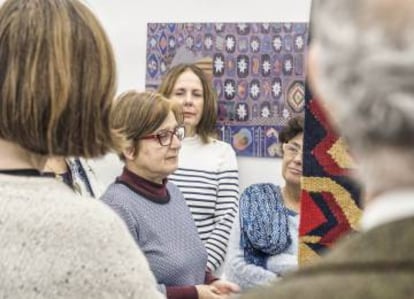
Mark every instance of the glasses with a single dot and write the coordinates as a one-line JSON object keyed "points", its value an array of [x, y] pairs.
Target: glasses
{"points": [[165, 137], [291, 150]]}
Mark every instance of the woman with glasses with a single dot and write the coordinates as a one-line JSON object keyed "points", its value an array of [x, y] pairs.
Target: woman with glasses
{"points": [[264, 242], [153, 208], [207, 172]]}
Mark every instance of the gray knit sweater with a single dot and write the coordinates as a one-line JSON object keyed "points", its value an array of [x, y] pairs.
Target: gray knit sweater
{"points": [[165, 232], [57, 245]]}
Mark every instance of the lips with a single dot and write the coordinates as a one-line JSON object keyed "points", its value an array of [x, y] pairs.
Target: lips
{"points": [[295, 171]]}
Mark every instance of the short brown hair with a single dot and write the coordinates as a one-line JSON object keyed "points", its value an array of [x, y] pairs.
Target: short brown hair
{"points": [[207, 125], [57, 78], [136, 114], [294, 127]]}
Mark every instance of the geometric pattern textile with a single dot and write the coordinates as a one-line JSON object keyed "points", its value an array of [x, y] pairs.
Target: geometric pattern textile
{"points": [[330, 198]]}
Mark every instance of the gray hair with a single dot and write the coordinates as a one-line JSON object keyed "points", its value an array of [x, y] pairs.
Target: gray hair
{"points": [[365, 61]]}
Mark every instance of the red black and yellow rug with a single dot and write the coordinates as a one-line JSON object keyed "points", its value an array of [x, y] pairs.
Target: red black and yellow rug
{"points": [[330, 200]]}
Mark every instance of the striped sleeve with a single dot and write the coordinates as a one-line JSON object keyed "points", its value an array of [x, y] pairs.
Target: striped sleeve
{"points": [[225, 210]]}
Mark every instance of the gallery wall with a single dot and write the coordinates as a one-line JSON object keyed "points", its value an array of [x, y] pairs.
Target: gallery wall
{"points": [[126, 23]]}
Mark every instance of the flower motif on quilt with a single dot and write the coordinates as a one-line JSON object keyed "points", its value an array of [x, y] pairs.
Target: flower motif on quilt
{"points": [[242, 113], [163, 67], [287, 27], [218, 64], [299, 43], [229, 89], [255, 89], [171, 43], [219, 27], [266, 66], [152, 42], [265, 28], [277, 88], [265, 110], [189, 41], [230, 43], [255, 44], [208, 42], [277, 43], [243, 28], [242, 66]]}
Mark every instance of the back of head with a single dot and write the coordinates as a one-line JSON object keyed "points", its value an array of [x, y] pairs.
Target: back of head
{"points": [[207, 124], [364, 54], [366, 67], [57, 78], [137, 114]]}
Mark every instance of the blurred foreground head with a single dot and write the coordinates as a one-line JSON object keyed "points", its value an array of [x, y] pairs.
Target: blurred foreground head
{"points": [[57, 78], [361, 66]]}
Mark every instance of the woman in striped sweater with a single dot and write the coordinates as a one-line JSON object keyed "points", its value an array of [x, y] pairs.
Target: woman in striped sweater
{"points": [[207, 172]]}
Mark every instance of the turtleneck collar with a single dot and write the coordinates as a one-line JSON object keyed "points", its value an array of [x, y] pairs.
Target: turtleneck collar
{"points": [[157, 193]]}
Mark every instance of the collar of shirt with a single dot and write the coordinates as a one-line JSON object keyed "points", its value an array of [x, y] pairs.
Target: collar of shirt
{"points": [[388, 207]]}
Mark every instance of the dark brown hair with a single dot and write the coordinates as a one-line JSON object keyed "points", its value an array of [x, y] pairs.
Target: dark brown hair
{"points": [[57, 78], [294, 127], [207, 125]]}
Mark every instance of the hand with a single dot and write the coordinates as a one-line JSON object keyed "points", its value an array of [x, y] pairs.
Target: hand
{"points": [[209, 292], [226, 287]]}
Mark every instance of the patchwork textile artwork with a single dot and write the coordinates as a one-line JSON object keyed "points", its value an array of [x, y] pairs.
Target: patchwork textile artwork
{"points": [[330, 199], [258, 73]]}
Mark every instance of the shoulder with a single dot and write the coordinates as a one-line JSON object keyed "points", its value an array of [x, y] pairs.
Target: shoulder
{"points": [[261, 188]]}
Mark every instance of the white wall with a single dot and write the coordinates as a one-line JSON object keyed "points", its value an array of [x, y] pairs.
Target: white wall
{"points": [[126, 23]]}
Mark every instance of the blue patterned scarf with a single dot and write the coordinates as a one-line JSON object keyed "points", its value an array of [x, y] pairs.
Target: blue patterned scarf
{"points": [[263, 223]]}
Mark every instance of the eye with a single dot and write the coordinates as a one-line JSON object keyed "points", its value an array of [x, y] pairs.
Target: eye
{"points": [[163, 134]]}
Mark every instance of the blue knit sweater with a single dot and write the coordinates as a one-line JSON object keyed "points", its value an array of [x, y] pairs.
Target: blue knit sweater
{"points": [[165, 232], [248, 275]]}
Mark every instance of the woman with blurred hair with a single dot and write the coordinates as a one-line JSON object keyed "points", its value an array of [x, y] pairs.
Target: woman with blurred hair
{"points": [[207, 172], [57, 82], [264, 241], [152, 207]]}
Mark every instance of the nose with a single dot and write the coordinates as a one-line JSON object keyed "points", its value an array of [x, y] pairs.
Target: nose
{"points": [[175, 142], [188, 100], [298, 157]]}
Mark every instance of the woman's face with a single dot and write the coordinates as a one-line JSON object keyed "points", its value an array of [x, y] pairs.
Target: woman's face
{"points": [[154, 161], [292, 160], [188, 92]]}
